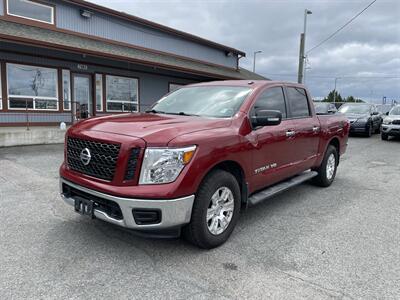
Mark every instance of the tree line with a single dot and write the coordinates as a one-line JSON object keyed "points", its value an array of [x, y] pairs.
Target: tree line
{"points": [[334, 96]]}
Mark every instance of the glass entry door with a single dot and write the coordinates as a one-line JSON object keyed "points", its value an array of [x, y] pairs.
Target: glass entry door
{"points": [[82, 95]]}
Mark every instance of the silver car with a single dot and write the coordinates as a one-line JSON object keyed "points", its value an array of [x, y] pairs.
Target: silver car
{"points": [[391, 124]]}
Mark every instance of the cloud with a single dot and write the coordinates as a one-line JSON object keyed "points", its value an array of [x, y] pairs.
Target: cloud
{"points": [[369, 46]]}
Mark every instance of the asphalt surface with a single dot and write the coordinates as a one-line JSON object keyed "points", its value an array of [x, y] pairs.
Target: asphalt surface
{"points": [[309, 242]]}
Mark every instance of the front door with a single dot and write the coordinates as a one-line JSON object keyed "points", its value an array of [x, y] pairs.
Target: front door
{"points": [[82, 96], [272, 149]]}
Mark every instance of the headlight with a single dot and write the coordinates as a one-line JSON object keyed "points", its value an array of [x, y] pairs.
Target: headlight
{"points": [[387, 121], [163, 165]]}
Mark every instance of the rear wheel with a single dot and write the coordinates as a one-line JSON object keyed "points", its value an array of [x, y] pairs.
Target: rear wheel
{"points": [[384, 136], [215, 210], [327, 169]]}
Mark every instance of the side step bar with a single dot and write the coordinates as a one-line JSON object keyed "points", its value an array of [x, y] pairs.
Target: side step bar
{"points": [[280, 187]]}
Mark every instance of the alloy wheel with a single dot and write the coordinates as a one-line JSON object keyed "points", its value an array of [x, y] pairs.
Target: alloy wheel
{"points": [[330, 166], [220, 210]]}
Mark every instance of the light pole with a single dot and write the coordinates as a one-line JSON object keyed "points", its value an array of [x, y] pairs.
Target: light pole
{"points": [[254, 60], [302, 46]]}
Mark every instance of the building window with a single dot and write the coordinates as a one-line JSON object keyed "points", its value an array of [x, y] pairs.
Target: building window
{"points": [[31, 10], [174, 86], [99, 92], [122, 94], [31, 87], [66, 89]]}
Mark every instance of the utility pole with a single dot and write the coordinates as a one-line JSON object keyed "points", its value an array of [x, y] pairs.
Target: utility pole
{"points": [[254, 60], [302, 46], [334, 91]]}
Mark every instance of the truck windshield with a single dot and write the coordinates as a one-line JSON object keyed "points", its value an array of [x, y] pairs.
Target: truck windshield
{"points": [[205, 101], [355, 109]]}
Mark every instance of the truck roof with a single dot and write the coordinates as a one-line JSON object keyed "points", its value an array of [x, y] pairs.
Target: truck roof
{"points": [[247, 83]]}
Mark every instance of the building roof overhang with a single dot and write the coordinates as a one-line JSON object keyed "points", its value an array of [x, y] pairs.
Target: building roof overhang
{"points": [[42, 37]]}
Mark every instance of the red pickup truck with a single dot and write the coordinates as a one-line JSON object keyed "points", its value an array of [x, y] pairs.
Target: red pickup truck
{"points": [[201, 155]]}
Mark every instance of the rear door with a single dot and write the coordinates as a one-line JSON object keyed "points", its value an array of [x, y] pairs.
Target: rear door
{"points": [[306, 129], [271, 151]]}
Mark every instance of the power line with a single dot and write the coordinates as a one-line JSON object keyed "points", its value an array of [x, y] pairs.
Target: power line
{"points": [[337, 31]]}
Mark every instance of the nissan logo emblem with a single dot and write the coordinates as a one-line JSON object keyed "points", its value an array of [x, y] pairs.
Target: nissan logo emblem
{"points": [[85, 156]]}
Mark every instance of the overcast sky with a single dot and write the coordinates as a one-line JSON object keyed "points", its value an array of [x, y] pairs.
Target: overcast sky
{"points": [[368, 47]]}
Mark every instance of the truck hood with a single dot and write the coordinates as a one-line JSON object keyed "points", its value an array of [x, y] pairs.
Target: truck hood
{"points": [[357, 116], [392, 117], [155, 129]]}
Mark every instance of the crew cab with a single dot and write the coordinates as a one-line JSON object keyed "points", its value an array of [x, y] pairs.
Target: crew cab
{"points": [[201, 155]]}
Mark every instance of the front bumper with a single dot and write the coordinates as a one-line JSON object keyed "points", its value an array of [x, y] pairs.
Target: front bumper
{"points": [[173, 212], [359, 127], [393, 130]]}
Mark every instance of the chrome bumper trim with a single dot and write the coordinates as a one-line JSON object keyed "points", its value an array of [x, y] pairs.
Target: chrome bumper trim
{"points": [[174, 212]]}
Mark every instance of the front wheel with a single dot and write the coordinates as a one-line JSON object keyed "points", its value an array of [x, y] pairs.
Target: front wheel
{"points": [[378, 129], [370, 130], [384, 136], [215, 210], [328, 167]]}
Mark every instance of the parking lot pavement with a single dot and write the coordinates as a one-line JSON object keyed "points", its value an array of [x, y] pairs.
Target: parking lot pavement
{"points": [[339, 242]]}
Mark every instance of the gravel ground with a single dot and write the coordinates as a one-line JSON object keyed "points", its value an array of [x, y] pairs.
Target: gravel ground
{"points": [[309, 242]]}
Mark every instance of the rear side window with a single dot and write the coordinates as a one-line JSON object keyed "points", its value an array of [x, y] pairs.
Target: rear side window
{"points": [[271, 99], [298, 102]]}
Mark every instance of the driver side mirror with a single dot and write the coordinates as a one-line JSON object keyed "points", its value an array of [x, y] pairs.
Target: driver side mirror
{"points": [[266, 118]]}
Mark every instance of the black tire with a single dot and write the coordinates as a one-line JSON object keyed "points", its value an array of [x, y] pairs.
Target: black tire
{"points": [[322, 179], [384, 136], [378, 130], [370, 130], [197, 231]]}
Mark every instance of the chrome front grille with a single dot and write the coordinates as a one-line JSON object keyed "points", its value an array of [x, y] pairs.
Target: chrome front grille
{"points": [[103, 158]]}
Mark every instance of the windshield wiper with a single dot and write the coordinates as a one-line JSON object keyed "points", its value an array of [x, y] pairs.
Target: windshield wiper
{"points": [[181, 113], [153, 111]]}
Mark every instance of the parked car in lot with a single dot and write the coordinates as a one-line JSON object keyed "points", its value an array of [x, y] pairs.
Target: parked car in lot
{"points": [[325, 108], [383, 109], [364, 118], [200, 155], [391, 124]]}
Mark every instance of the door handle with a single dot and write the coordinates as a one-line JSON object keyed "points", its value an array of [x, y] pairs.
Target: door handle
{"points": [[290, 133], [315, 129]]}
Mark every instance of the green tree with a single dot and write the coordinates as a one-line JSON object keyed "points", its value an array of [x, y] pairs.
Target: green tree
{"points": [[333, 96]]}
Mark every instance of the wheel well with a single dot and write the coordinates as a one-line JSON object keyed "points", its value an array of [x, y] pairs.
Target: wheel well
{"points": [[335, 143], [236, 170]]}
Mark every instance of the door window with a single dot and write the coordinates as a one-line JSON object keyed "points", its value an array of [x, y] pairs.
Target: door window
{"points": [[82, 96], [271, 99], [298, 102]]}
